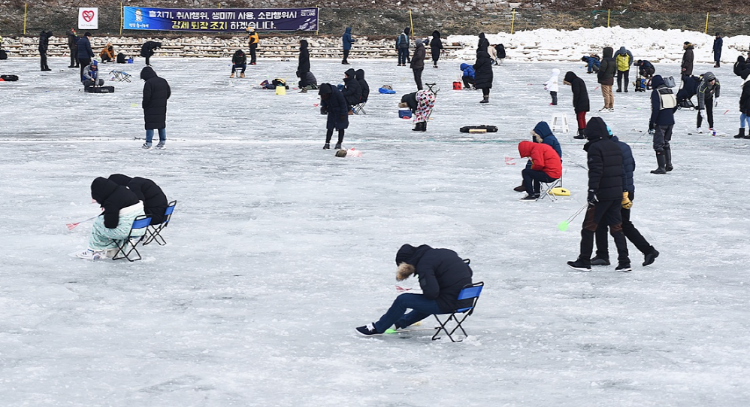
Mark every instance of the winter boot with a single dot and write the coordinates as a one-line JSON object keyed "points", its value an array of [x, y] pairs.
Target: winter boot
{"points": [[327, 146], [424, 126], [232, 75], [741, 134], [649, 257], [337, 146], [661, 161], [485, 99], [418, 126], [520, 188], [580, 135], [668, 159], [242, 74]]}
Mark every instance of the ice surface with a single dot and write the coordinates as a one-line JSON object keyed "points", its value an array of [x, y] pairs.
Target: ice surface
{"points": [[278, 249]]}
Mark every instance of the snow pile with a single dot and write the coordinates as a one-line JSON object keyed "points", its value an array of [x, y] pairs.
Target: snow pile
{"points": [[658, 46]]}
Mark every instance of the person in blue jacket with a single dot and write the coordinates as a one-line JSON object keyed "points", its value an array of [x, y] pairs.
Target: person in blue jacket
{"points": [[333, 104], [468, 75], [592, 62], [85, 53], [662, 121], [631, 233], [541, 134], [347, 41], [718, 43], [442, 275]]}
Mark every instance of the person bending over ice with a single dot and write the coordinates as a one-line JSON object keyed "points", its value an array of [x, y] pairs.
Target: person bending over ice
{"points": [[442, 275], [420, 103]]}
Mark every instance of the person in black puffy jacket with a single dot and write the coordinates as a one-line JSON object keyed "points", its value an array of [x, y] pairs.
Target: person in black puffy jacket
{"points": [[631, 233], [154, 201], [120, 206], [360, 75], [147, 50], [352, 91], [483, 75], [333, 104], [156, 92], [604, 195], [442, 275], [580, 101], [44, 37], [436, 46]]}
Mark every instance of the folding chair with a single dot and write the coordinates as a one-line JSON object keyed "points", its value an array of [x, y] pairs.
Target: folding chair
{"points": [[154, 231], [470, 291], [546, 189], [431, 88], [128, 245], [359, 108], [120, 76]]}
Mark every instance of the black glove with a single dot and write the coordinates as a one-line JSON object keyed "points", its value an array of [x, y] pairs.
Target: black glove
{"points": [[592, 199]]}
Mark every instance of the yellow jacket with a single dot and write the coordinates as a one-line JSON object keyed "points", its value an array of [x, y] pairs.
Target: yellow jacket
{"points": [[253, 39]]}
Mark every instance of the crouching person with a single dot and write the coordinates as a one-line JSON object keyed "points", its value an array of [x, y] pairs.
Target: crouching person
{"points": [[239, 61], [546, 166], [120, 207], [442, 275], [467, 76], [91, 75]]}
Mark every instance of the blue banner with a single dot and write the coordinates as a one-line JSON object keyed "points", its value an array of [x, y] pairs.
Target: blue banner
{"points": [[223, 19]]}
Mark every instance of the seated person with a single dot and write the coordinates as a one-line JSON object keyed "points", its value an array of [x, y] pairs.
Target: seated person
{"points": [[541, 134], [239, 61], [468, 75], [593, 62], [307, 81], [352, 91], [153, 198], [120, 207], [360, 75], [645, 69], [107, 54], [546, 166], [91, 75]]}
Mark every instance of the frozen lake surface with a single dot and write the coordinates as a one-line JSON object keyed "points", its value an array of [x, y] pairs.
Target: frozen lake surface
{"points": [[278, 249]]}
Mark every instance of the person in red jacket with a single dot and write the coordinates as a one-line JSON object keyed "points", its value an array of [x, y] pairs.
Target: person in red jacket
{"points": [[546, 166]]}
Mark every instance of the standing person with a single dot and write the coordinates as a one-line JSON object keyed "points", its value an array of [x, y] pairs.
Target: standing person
{"points": [[303, 65], [73, 48], [709, 91], [120, 206], [156, 92], [417, 63], [436, 46], [686, 66], [252, 41], [744, 109], [147, 50], [631, 233], [442, 275], [546, 166], [718, 43], [239, 61], [624, 60], [606, 77], [402, 46], [347, 42], [552, 86], [85, 53], [580, 101], [483, 75], [662, 121], [483, 44], [44, 37], [333, 104], [604, 195]]}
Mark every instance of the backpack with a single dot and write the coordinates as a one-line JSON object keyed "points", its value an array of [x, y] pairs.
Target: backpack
{"points": [[403, 41], [121, 58], [667, 99]]}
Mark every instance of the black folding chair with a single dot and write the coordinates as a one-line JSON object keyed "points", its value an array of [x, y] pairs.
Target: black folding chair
{"points": [[128, 245], [469, 292], [154, 231]]}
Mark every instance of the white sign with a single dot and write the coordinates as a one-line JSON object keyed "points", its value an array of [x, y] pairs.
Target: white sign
{"points": [[88, 18]]}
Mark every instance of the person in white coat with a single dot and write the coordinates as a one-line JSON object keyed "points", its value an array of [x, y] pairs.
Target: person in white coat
{"points": [[551, 86]]}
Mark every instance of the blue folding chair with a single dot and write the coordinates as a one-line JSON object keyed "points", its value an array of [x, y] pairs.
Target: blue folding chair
{"points": [[469, 292], [154, 231], [128, 245]]}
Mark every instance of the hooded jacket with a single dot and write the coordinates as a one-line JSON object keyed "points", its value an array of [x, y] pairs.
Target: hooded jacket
{"points": [[745, 97], [659, 117], [112, 198], [740, 67], [402, 41], [580, 94], [352, 91], [360, 75], [546, 136], [436, 44], [604, 159], [147, 49], [417, 60], [543, 158], [467, 70], [84, 48], [335, 105], [411, 100], [645, 68], [706, 90], [107, 52], [628, 166], [483, 44], [607, 68], [347, 39], [687, 60], [90, 74], [442, 273], [483, 75], [552, 82], [153, 198], [718, 43], [239, 58], [304, 58], [624, 59], [156, 92]]}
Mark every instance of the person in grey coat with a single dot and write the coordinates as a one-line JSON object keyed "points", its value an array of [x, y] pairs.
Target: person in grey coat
{"points": [[687, 59], [417, 63]]}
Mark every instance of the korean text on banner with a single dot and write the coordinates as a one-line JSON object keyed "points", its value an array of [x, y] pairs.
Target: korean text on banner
{"points": [[224, 19]]}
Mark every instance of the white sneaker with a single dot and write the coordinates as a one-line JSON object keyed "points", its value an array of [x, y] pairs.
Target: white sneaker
{"points": [[611, 109], [699, 130], [89, 254], [146, 146], [604, 110]]}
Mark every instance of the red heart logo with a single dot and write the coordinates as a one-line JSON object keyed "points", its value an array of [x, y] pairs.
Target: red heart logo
{"points": [[88, 15]]}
